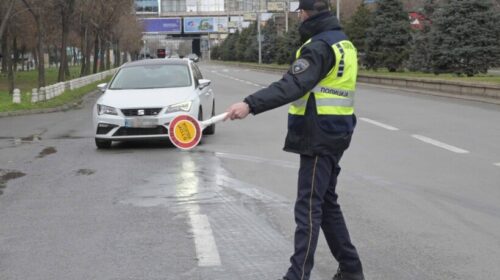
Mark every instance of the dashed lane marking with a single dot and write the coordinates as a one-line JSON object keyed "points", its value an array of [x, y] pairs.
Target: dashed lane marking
{"points": [[497, 164], [206, 249], [440, 144], [388, 127]]}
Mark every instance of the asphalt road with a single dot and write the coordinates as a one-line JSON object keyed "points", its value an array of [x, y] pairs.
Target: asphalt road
{"points": [[420, 189]]}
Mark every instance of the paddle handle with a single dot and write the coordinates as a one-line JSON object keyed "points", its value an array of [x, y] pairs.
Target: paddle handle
{"points": [[212, 120]]}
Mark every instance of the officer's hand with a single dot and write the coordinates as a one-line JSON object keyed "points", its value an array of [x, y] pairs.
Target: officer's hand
{"points": [[237, 111]]}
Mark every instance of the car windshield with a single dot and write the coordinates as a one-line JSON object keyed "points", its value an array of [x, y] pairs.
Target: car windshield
{"points": [[152, 76]]}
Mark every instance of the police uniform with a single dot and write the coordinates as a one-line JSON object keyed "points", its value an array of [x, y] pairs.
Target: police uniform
{"points": [[320, 86]]}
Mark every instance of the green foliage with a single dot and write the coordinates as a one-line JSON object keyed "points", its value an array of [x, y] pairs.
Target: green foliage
{"points": [[244, 46], [357, 27], [464, 37], [389, 37], [247, 45], [288, 45], [227, 49], [269, 44]]}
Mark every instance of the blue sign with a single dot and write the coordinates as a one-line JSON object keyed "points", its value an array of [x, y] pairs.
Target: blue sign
{"points": [[162, 25]]}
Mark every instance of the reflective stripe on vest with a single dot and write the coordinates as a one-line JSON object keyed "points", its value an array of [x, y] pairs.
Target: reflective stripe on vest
{"points": [[334, 94]]}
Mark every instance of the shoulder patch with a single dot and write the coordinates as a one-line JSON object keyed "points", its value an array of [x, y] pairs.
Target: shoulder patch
{"points": [[300, 65]]}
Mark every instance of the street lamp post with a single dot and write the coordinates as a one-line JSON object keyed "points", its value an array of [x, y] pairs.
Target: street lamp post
{"points": [[338, 10], [259, 37]]}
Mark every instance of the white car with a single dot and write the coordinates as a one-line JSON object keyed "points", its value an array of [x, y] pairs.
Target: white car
{"points": [[144, 96]]}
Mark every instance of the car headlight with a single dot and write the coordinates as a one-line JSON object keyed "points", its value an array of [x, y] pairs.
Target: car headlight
{"points": [[106, 110], [179, 107]]}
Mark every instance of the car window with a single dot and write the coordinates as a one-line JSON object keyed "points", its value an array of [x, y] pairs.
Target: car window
{"points": [[200, 76], [151, 76], [196, 74]]}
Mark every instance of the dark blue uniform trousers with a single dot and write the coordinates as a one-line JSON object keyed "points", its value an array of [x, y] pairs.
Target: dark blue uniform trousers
{"points": [[316, 207]]}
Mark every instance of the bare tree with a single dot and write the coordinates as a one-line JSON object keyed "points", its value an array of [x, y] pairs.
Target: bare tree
{"points": [[66, 10], [37, 9], [6, 9]]}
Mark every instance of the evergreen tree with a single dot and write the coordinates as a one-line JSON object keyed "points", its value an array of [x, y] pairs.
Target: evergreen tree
{"points": [[288, 45], [227, 48], [464, 37], [269, 45], [388, 39], [420, 55], [357, 27], [247, 45]]}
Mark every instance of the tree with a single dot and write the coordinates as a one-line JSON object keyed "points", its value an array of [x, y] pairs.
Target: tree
{"points": [[37, 9], [66, 8], [246, 46], [6, 8], [357, 27], [227, 49], [269, 47], [288, 45], [464, 37], [420, 58], [388, 40]]}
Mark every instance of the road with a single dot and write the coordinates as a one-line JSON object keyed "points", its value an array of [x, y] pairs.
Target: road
{"points": [[420, 189]]}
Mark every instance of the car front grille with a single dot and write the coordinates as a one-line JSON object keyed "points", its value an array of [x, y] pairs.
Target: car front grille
{"points": [[136, 131], [146, 111]]}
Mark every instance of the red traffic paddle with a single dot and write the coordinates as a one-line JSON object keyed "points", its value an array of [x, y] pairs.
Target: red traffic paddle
{"points": [[185, 131]]}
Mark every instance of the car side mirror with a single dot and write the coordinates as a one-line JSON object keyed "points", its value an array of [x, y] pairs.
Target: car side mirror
{"points": [[102, 87], [203, 83]]}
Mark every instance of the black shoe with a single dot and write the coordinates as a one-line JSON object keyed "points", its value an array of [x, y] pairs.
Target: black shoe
{"points": [[341, 275]]}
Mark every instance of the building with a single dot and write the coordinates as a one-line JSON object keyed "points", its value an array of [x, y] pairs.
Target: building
{"points": [[170, 25]]}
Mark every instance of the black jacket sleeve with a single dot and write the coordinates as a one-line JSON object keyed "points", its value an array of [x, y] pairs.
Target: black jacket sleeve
{"points": [[292, 86]]}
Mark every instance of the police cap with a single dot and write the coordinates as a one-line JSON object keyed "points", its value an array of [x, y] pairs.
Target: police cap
{"points": [[311, 5]]}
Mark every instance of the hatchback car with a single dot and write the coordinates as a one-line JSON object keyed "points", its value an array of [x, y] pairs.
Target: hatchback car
{"points": [[144, 96]]}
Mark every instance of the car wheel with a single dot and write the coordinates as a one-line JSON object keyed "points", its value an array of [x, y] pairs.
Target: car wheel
{"points": [[102, 144], [210, 130]]}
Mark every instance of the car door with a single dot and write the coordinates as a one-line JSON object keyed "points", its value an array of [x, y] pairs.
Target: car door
{"points": [[205, 93]]}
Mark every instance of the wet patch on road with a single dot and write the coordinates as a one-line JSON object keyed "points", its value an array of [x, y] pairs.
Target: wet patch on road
{"points": [[7, 175], [47, 151], [86, 172]]}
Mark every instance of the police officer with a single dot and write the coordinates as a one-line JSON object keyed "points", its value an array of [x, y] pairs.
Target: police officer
{"points": [[320, 86]]}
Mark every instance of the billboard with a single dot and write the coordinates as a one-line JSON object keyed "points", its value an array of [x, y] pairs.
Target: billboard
{"points": [[162, 25], [205, 24]]}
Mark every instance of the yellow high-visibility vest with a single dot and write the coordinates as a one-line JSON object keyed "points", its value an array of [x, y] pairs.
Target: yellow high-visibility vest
{"points": [[334, 94]]}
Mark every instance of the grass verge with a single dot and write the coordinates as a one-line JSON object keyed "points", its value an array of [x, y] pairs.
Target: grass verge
{"points": [[67, 97], [27, 80]]}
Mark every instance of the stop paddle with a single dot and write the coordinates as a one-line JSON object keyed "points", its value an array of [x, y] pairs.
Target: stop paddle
{"points": [[185, 131]]}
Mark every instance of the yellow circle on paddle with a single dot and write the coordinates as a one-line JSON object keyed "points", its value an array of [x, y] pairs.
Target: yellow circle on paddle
{"points": [[185, 131]]}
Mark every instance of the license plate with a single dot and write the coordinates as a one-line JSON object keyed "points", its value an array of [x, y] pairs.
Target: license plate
{"points": [[141, 122]]}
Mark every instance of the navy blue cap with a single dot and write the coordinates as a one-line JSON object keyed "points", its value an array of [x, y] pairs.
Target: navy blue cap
{"points": [[309, 4]]}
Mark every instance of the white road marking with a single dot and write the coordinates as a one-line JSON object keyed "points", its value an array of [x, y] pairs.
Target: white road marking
{"points": [[440, 144], [497, 164], [206, 249], [239, 80], [388, 127]]}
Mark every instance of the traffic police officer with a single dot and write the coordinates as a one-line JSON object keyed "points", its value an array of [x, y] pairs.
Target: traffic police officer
{"points": [[320, 86]]}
